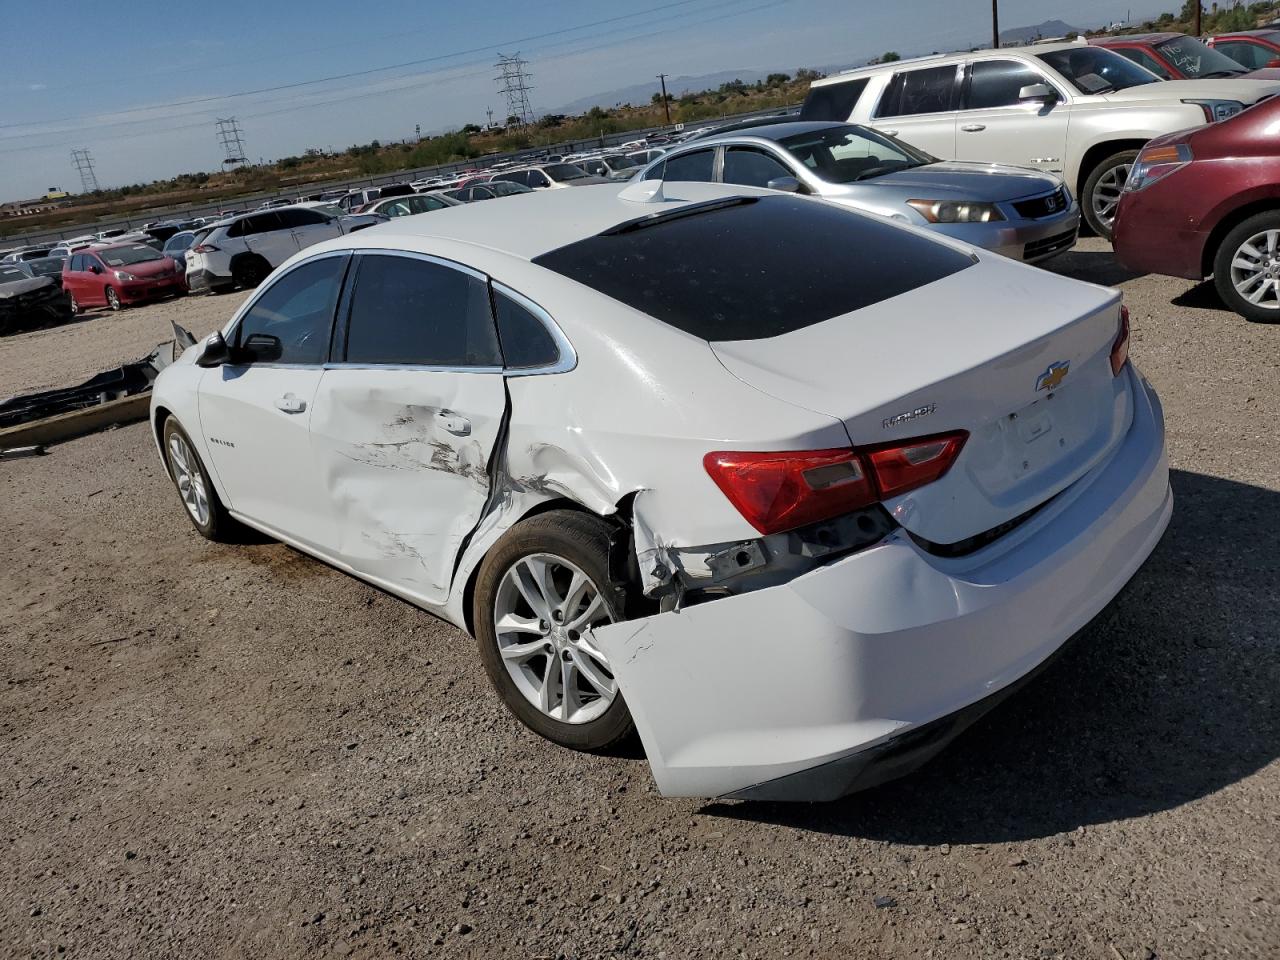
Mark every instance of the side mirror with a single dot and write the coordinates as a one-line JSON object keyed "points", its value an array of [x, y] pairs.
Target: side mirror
{"points": [[787, 184], [262, 348], [95, 269], [1038, 92], [214, 352]]}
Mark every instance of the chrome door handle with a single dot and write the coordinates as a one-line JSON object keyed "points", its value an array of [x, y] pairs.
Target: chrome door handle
{"points": [[973, 127], [892, 133], [459, 426], [291, 404]]}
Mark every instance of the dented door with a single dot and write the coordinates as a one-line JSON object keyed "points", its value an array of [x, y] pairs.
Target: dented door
{"points": [[404, 457]]}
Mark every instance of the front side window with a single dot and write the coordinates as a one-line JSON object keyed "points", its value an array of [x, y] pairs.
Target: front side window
{"points": [[298, 311], [847, 153], [920, 91], [749, 167], [834, 101], [1144, 59], [1095, 70], [417, 312], [301, 217], [526, 342], [697, 166], [995, 83]]}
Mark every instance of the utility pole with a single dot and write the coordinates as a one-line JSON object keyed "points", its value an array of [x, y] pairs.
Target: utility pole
{"points": [[515, 85], [488, 112], [662, 77], [84, 167], [232, 140], [1195, 20], [995, 24]]}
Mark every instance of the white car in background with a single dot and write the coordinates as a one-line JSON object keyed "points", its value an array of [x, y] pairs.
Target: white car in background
{"points": [[1080, 111], [242, 251], [798, 491]]}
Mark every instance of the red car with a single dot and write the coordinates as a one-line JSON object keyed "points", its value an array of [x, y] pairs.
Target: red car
{"points": [[1207, 201], [1250, 48], [119, 275], [1175, 56]]}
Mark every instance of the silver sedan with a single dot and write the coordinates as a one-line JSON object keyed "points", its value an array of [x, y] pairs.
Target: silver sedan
{"points": [[1024, 214]]}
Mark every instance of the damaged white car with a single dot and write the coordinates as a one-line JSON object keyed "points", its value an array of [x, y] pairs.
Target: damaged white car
{"points": [[797, 492]]}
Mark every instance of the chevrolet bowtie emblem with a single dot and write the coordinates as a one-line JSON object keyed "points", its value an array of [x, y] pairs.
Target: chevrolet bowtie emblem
{"points": [[1053, 377]]}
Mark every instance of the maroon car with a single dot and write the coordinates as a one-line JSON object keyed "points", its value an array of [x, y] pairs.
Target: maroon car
{"points": [[1175, 56], [1207, 201], [1250, 48]]}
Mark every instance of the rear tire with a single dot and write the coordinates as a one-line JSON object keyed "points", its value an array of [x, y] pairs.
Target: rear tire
{"points": [[542, 665], [1101, 194], [1247, 264], [250, 271], [199, 498]]}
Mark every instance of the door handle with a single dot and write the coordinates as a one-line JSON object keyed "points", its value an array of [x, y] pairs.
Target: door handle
{"points": [[892, 133], [458, 426], [291, 404], [973, 127]]}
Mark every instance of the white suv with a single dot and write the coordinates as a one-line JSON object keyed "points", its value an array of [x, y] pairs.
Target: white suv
{"points": [[1080, 111], [240, 252]]}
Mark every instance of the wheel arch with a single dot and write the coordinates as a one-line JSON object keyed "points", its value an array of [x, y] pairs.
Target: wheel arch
{"points": [[246, 256], [1228, 223], [1099, 152]]}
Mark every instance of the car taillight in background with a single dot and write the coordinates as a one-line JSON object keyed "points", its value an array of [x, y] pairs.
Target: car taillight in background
{"points": [[204, 248], [1156, 163], [782, 490], [1120, 349]]}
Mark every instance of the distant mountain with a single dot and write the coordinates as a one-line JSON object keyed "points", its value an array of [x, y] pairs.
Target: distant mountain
{"points": [[642, 93], [1050, 28]]}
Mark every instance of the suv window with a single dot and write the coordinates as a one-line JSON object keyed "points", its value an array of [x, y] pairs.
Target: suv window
{"points": [[298, 308], [995, 83], [536, 178], [835, 101], [912, 92], [698, 166], [1144, 59], [410, 311], [752, 168], [301, 217], [525, 340]]}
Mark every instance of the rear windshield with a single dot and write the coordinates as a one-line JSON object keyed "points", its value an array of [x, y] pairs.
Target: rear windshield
{"points": [[747, 268]]}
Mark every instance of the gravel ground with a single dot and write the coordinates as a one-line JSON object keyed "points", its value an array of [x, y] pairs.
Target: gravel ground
{"points": [[238, 752]]}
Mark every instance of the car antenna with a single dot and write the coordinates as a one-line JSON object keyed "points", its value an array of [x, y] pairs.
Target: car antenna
{"points": [[646, 191]]}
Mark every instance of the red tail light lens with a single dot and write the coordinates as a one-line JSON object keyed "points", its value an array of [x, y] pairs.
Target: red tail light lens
{"points": [[204, 248], [782, 490], [906, 466], [1120, 349]]}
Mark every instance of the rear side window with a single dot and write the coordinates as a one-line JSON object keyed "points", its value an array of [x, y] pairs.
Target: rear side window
{"points": [[298, 309], [526, 342], [995, 83], [697, 166], [835, 101], [417, 312], [747, 268], [919, 91]]}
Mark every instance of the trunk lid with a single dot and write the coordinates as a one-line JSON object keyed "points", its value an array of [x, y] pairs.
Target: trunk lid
{"points": [[1016, 356]]}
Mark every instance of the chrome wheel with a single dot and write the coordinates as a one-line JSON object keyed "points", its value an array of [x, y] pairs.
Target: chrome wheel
{"points": [[113, 299], [1255, 270], [1106, 193], [189, 479], [543, 611]]}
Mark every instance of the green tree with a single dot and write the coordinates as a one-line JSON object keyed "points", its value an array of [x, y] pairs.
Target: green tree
{"points": [[890, 57], [776, 79]]}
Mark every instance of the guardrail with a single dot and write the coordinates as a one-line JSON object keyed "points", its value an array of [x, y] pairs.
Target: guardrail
{"points": [[187, 211]]}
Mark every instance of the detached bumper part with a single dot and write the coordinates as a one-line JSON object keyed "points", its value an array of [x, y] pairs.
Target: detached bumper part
{"points": [[860, 671]]}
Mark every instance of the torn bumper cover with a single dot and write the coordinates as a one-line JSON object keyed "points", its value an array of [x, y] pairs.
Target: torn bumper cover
{"points": [[859, 671]]}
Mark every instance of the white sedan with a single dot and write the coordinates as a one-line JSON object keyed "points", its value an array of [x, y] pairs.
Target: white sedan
{"points": [[794, 491]]}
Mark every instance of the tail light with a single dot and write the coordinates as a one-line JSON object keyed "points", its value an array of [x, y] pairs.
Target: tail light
{"points": [[204, 248], [1120, 349], [782, 490]]}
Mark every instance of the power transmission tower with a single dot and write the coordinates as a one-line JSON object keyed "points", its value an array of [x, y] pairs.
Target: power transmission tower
{"points": [[515, 85], [232, 140], [84, 167]]}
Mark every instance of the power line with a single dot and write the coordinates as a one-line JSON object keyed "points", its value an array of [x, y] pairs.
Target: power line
{"points": [[232, 140], [515, 85], [84, 167]]}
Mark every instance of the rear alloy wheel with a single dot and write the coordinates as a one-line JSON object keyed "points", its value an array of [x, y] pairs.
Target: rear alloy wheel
{"points": [[1102, 191], [540, 592], [113, 299], [1246, 269]]}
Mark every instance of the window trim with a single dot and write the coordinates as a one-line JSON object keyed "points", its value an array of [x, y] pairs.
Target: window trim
{"points": [[966, 77]]}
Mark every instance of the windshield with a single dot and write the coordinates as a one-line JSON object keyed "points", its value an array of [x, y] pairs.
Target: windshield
{"points": [[563, 171], [620, 163], [847, 153], [9, 274], [124, 256], [45, 267], [1094, 70], [505, 188], [1195, 61]]}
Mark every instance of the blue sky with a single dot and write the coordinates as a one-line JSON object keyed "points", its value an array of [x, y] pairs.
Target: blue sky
{"points": [[140, 83]]}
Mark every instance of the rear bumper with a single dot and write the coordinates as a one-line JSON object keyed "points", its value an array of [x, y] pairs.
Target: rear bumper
{"points": [[860, 671], [1029, 240], [204, 281], [1151, 235]]}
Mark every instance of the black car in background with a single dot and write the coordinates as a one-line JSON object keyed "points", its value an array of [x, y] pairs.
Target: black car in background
{"points": [[27, 302]]}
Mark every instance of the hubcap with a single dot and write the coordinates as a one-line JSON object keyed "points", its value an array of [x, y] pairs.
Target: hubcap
{"points": [[543, 612], [1255, 270], [190, 481], [1106, 193]]}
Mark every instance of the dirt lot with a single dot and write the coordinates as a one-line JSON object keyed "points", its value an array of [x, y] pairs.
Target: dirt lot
{"points": [[238, 752]]}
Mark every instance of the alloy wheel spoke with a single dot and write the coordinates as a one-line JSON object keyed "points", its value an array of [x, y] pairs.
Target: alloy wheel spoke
{"points": [[571, 699], [588, 668], [1248, 266], [514, 623], [523, 651], [531, 576], [593, 612], [550, 687]]}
